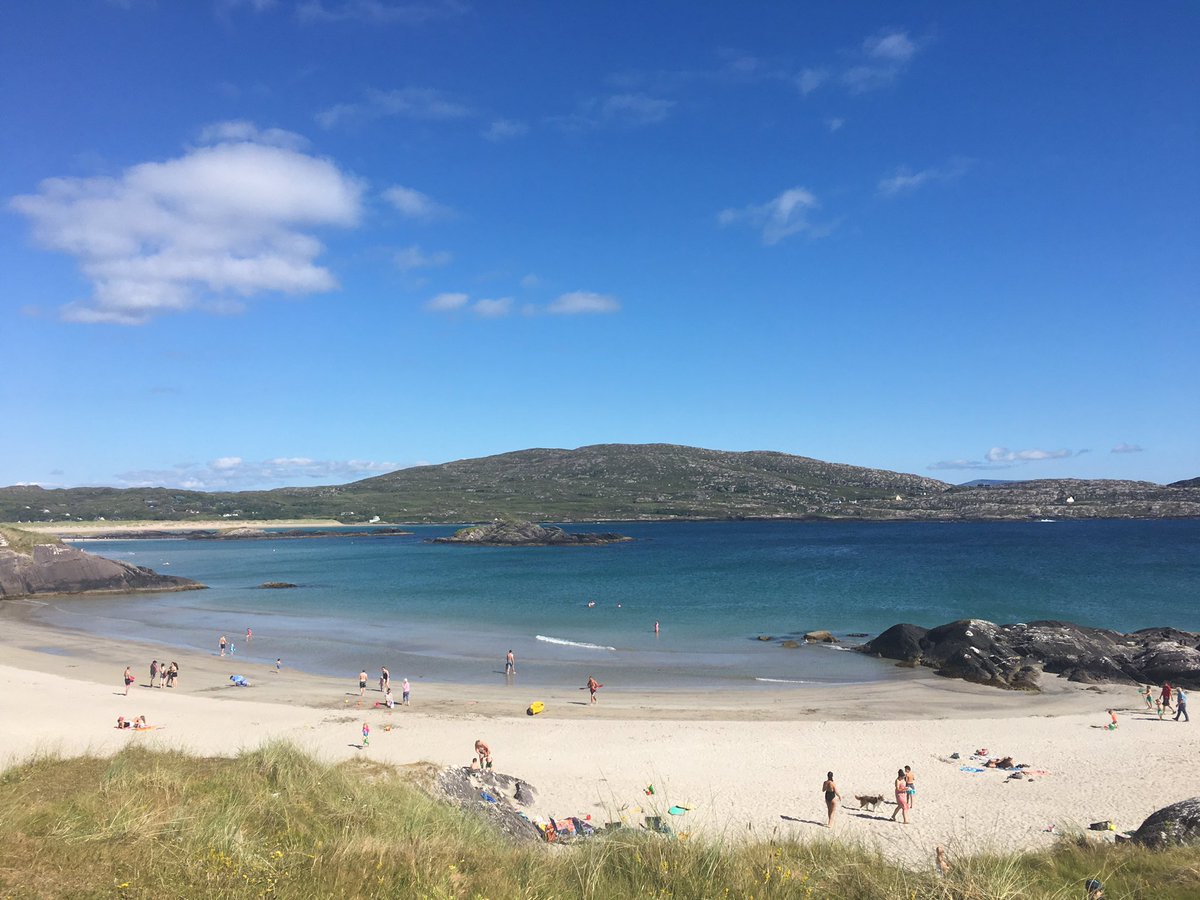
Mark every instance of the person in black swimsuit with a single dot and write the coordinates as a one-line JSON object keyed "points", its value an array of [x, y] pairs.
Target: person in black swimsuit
{"points": [[832, 797]]}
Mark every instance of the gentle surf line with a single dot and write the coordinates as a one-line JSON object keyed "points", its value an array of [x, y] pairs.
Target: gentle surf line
{"points": [[566, 643]]}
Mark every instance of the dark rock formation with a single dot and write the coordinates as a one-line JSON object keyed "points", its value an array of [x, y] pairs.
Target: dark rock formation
{"points": [[465, 790], [819, 637], [277, 585], [1010, 656], [526, 534], [1177, 825], [58, 569]]}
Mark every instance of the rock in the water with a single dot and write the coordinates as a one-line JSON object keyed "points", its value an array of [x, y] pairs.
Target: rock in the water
{"points": [[1010, 656], [766, 637], [277, 585], [789, 644], [527, 534], [1177, 825], [820, 637], [59, 569]]}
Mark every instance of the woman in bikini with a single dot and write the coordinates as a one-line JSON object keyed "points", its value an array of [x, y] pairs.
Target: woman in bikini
{"points": [[901, 796], [832, 797]]}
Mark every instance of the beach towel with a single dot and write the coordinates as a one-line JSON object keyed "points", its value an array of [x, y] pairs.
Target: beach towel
{"points": [[969, 769]]}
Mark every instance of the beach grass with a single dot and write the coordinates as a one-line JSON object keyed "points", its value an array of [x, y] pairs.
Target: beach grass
{"points": [[274, 822], [23, 541]]}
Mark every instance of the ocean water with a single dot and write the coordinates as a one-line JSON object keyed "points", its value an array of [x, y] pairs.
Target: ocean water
{"points": [[449, 613]]}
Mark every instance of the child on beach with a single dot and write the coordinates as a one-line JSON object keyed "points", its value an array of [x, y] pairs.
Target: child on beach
{"points": [[910, 786], [404, 692], [366, 733], [278, 663]]}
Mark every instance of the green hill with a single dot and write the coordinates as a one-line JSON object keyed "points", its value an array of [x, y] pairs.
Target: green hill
{"points": [[621, 481]]}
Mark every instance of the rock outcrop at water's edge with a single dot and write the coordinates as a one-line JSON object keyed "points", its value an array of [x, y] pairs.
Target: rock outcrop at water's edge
{"points": [[526, 534], [58, 569], [1013, 656]]}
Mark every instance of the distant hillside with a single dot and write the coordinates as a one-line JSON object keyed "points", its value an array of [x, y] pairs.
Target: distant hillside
{"points": [[622, 481], [1189, 482]]}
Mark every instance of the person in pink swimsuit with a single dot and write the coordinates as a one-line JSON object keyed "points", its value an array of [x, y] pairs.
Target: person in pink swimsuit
{"points": [[901, 796]]}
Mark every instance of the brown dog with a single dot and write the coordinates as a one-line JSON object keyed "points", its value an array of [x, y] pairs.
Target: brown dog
{"points": [[868, 801]]}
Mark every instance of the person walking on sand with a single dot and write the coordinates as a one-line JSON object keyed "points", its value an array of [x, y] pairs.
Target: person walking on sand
{"points": [[510, 664], [128, 679], [362, 683], [404, 689], [1181, 705], [910, 786], [385, 679], [593, 685], [832, 797], [224, 642], [1146, 696], [1166, 696], [366, 732], [901, 787], [1112, 726]]}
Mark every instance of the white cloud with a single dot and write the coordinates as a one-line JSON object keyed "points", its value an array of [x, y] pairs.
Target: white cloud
{"points": [[530, 281], [424, 104], [239, 130], [810, 79], [447, 302], [281, 471], [505, 129], [1127, 448], [883, 57], [616, 110], [583, 303], [962, 464], [413, 204], [1003, 454], [203, 231], [779, 218], [834, 124], [415, 258], [904, 180], [377, 12], [492, 309]]}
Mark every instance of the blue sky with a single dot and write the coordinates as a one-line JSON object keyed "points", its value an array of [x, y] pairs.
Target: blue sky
{"points": [[251, 244]]}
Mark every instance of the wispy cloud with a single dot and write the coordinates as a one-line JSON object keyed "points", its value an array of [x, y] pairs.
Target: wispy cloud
{"points": [[377, 12], [447, 302], [243, 130], [834, 124], [904, 180], [582, 303], [207, 230], [616, 110], [421, 103], [810, 79], [414, 204], [882, 58], [781, 217], [1003, 458], [505, 130], [234, 472], [415, 258], [1127, 448], [492, 308]]}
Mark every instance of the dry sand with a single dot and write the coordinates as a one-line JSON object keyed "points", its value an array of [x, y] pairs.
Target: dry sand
{"points": [[743, 761]]}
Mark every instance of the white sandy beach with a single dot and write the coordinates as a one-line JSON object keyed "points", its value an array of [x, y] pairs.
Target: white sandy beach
{"points": [[741, 762]]}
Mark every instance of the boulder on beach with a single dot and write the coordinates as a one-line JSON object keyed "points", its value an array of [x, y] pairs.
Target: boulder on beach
{"points": [[819, 637], [901, 642], [1177, 825]]}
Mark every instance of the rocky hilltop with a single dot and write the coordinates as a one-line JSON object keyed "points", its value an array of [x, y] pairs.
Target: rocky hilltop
{"points": [[526, 534], [1014, 656], [624, 482], [30, 566]]}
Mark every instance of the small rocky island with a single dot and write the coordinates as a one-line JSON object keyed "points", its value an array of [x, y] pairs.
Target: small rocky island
{"points": [[39, 564], [1014, 656], [527, 534]]}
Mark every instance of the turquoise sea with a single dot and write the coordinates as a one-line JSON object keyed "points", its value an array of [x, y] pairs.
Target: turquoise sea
{"points": [[449, 613]]}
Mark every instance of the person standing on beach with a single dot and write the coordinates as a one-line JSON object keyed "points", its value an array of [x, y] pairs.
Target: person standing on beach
{"points": [[172, 674], [404, 688], [385, 679], [362, 683], [593, 686], [910, 787], [832, 797], [366, 732], [278, 663], [249, 635], [1166, 696], [901, 787], [128, 679], [223, 644], [1181, 705], [510, 664], [153, 671]]}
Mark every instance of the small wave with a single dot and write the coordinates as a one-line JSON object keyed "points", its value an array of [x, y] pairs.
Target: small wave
{"points": [[783, 680], [566, 643]]}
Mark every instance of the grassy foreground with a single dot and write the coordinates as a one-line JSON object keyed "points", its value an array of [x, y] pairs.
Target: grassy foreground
{"points": [[276, 823]]}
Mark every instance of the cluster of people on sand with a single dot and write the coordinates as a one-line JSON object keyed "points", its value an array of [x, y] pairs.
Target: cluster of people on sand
{"points": [[385, 688], [905, 789], [1162, 704], [482, 760], [138, 724], [161, 675]]}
